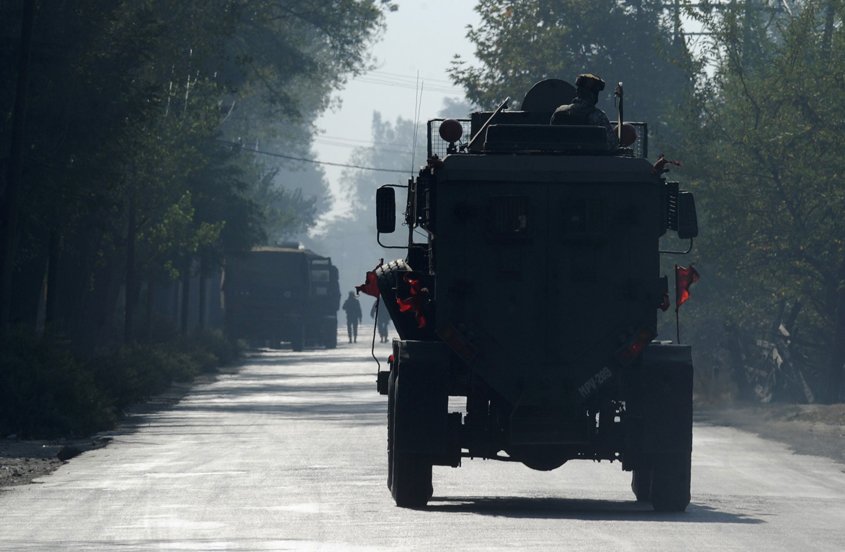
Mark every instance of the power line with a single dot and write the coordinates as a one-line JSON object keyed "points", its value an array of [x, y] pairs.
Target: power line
{"points": [[353, 143], [408, 86], [316, 161], [410, 78], [384, 78], [329, 144]]}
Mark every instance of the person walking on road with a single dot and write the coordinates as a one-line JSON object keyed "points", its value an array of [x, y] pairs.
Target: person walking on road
{"points": [[353, 316]]}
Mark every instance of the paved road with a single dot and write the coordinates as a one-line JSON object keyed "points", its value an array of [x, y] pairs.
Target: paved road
{"points": [[288, 453]]}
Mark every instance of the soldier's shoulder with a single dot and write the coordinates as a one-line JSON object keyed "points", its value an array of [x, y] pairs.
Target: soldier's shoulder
{"points": [[598, 116]]}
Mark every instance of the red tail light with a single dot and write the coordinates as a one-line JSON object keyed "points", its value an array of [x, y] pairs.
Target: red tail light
{"points": [[636, 346]]}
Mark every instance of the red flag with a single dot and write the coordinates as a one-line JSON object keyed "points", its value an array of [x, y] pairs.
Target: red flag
{"points": [[660, 165], [370, 285], [414, 303], [684, 278]]}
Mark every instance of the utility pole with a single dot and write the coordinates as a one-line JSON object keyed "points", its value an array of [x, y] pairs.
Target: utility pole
{"points": [[14, 175]]}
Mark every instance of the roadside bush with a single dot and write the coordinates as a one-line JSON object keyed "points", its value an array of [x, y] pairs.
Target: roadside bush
{"points": [[215, 343], [134, 373], [46, 392]]}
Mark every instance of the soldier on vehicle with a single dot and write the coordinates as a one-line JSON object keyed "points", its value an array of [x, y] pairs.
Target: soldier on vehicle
{"points": [[583, 110], [353, 316]]}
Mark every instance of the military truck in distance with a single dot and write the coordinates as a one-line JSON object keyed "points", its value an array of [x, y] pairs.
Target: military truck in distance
{"points": [[534, 295], [275, 294]]}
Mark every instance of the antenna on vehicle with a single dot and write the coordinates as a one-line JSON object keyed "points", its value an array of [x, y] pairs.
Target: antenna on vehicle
{"points": [[619, 107], [502, 106], [417, 105]]}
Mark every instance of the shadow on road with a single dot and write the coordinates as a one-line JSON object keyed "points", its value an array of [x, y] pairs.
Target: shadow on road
{"points": [[355, 413], [329, 403], [583, 509], [308, 358]]}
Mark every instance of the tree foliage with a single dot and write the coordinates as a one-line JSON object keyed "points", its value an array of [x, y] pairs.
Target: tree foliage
{"points": [[131, 175], [520, 42], [768, 165]]}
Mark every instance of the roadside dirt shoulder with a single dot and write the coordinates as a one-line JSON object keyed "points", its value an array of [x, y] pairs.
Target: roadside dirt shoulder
{"points": [[23, 461], [806, 428]]}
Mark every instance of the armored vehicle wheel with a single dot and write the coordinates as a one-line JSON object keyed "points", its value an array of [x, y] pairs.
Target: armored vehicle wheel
{"points": [[411, 473], [391, 385], [641, 484], [670, 483]]}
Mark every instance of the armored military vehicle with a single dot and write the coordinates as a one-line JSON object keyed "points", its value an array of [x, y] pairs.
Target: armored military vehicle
{"points": [[276, 294], [534, 294]]}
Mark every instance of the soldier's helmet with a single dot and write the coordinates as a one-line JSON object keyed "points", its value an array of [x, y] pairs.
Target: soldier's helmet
{"points": [[591, 82]]}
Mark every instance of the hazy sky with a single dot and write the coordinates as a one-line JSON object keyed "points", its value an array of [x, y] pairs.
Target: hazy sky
{"points": [[421, 37]]}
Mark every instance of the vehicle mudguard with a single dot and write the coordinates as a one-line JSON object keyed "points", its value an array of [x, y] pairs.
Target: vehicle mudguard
{"points": [[424, 375], [659, 403]]}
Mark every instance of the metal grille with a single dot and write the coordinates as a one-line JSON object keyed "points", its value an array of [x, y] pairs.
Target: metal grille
{"points": [[436, 145], [510, 217], [640, 147]]}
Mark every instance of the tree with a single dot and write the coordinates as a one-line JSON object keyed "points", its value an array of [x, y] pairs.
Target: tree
{"points": [[768, 163], [520, 42], [14, 168], [126, 118]]}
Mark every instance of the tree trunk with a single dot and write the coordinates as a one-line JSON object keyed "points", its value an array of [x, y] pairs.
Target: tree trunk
{"points": [[9, 205], [203, 293], [186, 297], [50, 302], [827, 34], [130, 279], [149, 302], [836, 370]]}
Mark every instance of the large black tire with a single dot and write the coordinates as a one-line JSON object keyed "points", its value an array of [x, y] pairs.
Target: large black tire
{"points": [[411, 473], [391, 386], [670, 483], [641, 484]]}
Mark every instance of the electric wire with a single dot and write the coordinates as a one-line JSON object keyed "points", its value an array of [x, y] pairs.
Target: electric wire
{"points": [[384, 78], [316, 161]]}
